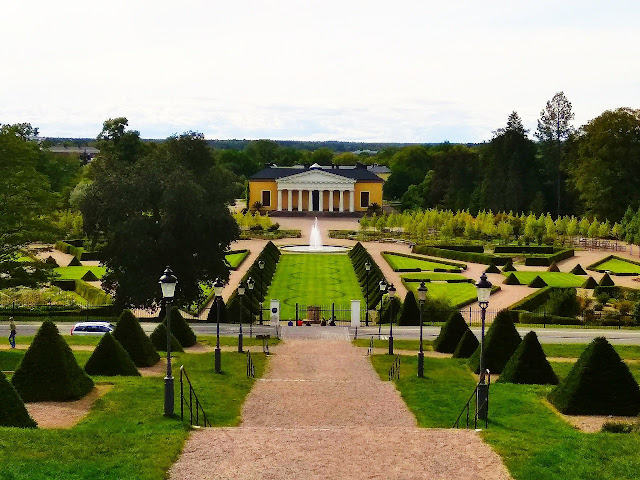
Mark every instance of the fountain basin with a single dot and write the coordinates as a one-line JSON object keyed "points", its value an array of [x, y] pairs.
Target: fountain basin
{"points": [[315, 248]]}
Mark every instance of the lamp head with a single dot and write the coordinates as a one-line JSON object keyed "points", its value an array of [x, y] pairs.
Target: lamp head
{"points": [[391, 291], [422, 292], [367, 266], [483, 288], [218, 285], [261, 264], [250, 283], [241, 288], [168, 283], [383, 286]]}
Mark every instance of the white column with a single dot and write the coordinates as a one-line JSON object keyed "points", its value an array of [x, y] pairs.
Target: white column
{"points": [[311, 200], [331, 200], [279, 200], [321, 200], [352, 200], [341, 201], [290, 200], [299, 200]]}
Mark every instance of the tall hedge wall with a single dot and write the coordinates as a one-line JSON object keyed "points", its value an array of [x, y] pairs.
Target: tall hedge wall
{"points": [[359, 256]]}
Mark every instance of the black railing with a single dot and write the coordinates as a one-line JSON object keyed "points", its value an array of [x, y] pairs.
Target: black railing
{"points": [[265, 343], [251, 368], [394, 371], [473, 400], [370, 349], [200, 416]]}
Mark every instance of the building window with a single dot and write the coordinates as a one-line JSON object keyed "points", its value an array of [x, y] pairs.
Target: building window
{"points": [[364, 199], [266, 198]]}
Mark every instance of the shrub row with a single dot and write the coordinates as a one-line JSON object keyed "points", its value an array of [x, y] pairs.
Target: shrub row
{"points": [[359, 257], [464, 256], [537, 319], [533, 301], [540, 249], [428, 280], [93, 295], [548, 260], [79, 252], [435, 260], [459, 248]]}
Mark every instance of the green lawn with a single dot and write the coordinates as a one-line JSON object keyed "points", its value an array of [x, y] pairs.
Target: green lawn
{"points": [[574, 350], [433, 276], [457, 294], [126, 435], [76, 273], [619, 265], [553, 279], [400, 262], [235, 259], [534, 442], [313, 279]]}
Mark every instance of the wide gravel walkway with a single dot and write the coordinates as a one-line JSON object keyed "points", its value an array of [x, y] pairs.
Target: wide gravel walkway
{"points": [[321, 412]]}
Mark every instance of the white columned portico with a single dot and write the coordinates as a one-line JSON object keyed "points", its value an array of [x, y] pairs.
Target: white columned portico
{"points": [[321, 200], [316, 180], [299, 200], [311, 200], [289, 199], [331, 200], [341, 207], [352, 201], [279, 199]]}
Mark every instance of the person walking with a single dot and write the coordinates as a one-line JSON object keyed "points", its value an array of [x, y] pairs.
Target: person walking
{"points": [[12, 333]]}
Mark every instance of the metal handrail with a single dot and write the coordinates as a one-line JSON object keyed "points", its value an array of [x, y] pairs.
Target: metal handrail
{"points": [[479, 408], [192, 396], [251, 368], [394, 372]]}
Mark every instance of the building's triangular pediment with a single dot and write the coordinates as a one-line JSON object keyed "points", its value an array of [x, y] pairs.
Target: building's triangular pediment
{"points": [[315, 176]]}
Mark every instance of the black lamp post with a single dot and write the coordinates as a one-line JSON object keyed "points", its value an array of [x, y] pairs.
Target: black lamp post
{"points": [[217, 287], [392, 292], [241, 289], [367, 267], [383, 289], [422, 296], [261, 267], [250, 285], [483, 287], [168, 285]]}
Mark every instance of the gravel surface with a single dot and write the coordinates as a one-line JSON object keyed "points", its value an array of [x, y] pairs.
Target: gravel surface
{"points": [[321, 411]]}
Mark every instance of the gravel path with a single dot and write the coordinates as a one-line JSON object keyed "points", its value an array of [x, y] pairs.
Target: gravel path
{"points": [[321, 412]]}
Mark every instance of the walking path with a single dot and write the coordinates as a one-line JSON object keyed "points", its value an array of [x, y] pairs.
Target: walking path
{"points": [[321, 411]]}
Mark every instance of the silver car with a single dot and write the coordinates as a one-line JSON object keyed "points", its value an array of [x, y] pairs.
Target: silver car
{"points": [[92, 328]]}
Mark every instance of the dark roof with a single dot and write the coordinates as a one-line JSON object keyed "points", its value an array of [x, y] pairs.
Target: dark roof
{"points": [[349, 171]]}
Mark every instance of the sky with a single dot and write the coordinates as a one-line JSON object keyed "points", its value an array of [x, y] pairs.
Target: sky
{"points": [[351, 70]]}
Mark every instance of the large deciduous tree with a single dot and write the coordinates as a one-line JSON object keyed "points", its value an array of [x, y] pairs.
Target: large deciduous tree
{"points": [[150, 206]]}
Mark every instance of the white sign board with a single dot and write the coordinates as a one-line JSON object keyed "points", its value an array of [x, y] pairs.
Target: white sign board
{"points": [[355, 313], [274, 310]]}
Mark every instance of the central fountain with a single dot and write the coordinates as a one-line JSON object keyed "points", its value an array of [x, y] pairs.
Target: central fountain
{"points": [[315, 244]]}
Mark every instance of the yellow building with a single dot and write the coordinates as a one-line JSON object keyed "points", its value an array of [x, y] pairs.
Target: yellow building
{"points": [[316, 188]]}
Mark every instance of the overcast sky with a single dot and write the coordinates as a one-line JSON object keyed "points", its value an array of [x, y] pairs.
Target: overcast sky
{"points": [[403, 71]]}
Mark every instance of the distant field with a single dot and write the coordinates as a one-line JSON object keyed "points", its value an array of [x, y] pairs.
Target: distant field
{"points": [[618, 265], [401, 262], [553, 279], [76, 273], [313, 279]]}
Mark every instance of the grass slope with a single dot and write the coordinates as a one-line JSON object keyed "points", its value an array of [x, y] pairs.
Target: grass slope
{"points": [[553, 279], [619, 265], [401, 262], [235, 259], [457, 294], [76, 273]]}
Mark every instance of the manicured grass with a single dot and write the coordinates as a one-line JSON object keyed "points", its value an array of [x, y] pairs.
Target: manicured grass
{"points": [[619, 265], [435, 276], [553, 279], [397, 343], [247, 341], [533, 441], [574, 350], [235, 259], [76, 273], [457, 294], [126, 435], [313, 279], [399, 261]]}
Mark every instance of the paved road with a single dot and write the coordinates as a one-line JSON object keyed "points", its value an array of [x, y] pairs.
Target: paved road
{"points": [[546, 335]]}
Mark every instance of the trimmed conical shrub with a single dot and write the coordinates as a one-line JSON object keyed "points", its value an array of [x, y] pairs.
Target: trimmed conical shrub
{"points": [[511, 280], [233, 311], [508, 267], [49, 371], [51, 261], [590, 283], [109, 358], [492, 269], [578, 270], [410, 311], [500, 342], [529, 364], [181, 329], [75, 262], [13, 413], [389, 308], [133, 339], [212, 316], [606, 281], [467, 345], [90, 277], [553, 267], [537, 282], [599, 383], [451, 333], [159, 339]]}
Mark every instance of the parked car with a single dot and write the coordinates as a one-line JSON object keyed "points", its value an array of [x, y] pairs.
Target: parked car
{"points": [[92, 328]]}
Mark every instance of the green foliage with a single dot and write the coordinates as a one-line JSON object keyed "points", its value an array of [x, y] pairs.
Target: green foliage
{"points": [[390, 309], [529, 364], [467, 345], [606, 281], [12, 410], [159, 339], [233, 312], [109, 358], [508, 267], [74, 262], [492, 269], [49, 371], [93, 295], [436, 310], [181, 329], [563, 302], [537, 282], [212, 316], [451, 334], [359, 256], [599, 383], [90, 277], [553, 267], [500, 342], [533, 301], [590, 283], [410, 311], [578, 270], [131, 336], [511, 279]]}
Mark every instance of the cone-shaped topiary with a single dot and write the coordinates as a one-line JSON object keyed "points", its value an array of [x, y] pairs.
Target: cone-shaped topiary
{"points": [[233, 311], [451, 333], [537, 282], [606, 281], [578, 270], [159, 339], [512, 279], [467, 345], [131, 336], [508, 267], [13, 413], [389, 308], [51, 261], [590, 283], [109, 358], [49, 371], [492, 269], [500, 342], [212, 316], [90, 277], [599, 383], [553, 267], [529, 364], [75, 262], [181, 329], [410, 311]]}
